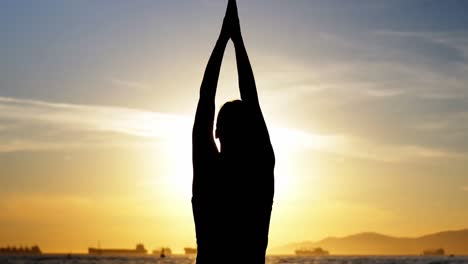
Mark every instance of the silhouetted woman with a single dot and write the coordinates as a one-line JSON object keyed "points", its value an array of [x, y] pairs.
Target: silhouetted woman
{"points": [[232, 187]]}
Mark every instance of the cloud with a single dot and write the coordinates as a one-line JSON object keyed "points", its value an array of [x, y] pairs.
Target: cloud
{"points": [[457, 120], [465, 188], [455, 40], [380, 90], [395, 153], [145, 125], [71, 126], [28, 145], [129, 84], [384, 93], [93, 118], [3, 127]]}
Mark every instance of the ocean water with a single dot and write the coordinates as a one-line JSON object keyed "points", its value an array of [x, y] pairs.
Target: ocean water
{"points": [[270, 260]]}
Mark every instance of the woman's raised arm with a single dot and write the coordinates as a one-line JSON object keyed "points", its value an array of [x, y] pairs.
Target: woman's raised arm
{"points": [[202, 136], [247, 85]]}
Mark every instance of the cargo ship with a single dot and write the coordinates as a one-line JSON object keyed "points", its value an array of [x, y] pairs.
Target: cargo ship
{"points": [[20, 251], [138, 251], [190, 251], [312, 252], [434, 252]]}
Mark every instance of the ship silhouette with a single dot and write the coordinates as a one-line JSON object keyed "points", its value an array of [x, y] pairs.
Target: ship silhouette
{"points": [[139, 250], [23, 251], [312, 252], [190, 251], [434, 252]]}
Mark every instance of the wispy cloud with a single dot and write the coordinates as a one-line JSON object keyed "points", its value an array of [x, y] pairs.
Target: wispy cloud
{"points": [[132, 122], [147, 125], [456, 40], [395, 153], [28, 145], [390, 98], [72, 118], [384, 93], [95, 118], [465, 188], [129, 84]]}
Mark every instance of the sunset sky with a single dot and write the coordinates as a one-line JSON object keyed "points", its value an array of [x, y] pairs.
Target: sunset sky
{"points": [[366, 102]]}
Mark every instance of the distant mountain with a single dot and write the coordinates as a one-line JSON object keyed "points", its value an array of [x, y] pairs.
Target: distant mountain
{"points": [[453, 242]]}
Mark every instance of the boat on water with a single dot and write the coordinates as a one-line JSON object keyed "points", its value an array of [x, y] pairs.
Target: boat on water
{"points": [[20, 251], [434, 252], [312, 252], [162, 252], [190, 251], [138, 251]]}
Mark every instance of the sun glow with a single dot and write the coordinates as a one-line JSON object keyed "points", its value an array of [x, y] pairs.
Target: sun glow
{"points": [[179, 156], [174, 133]]}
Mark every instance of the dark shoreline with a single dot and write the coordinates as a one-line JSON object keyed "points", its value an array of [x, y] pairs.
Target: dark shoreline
{"points": [[268, 255]]}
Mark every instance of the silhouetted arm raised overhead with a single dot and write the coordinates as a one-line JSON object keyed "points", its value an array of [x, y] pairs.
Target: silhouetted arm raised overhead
{"points": [[202, 137], [247, 85]]}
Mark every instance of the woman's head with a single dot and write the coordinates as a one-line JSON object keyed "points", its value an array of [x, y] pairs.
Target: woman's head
{"points": [[232, 124]]}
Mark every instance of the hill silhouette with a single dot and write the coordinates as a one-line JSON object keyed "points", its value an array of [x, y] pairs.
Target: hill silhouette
{"points": [[454, 242]]}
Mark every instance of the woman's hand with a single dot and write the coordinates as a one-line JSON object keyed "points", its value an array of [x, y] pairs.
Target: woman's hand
{"points": [[231, 25]]}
